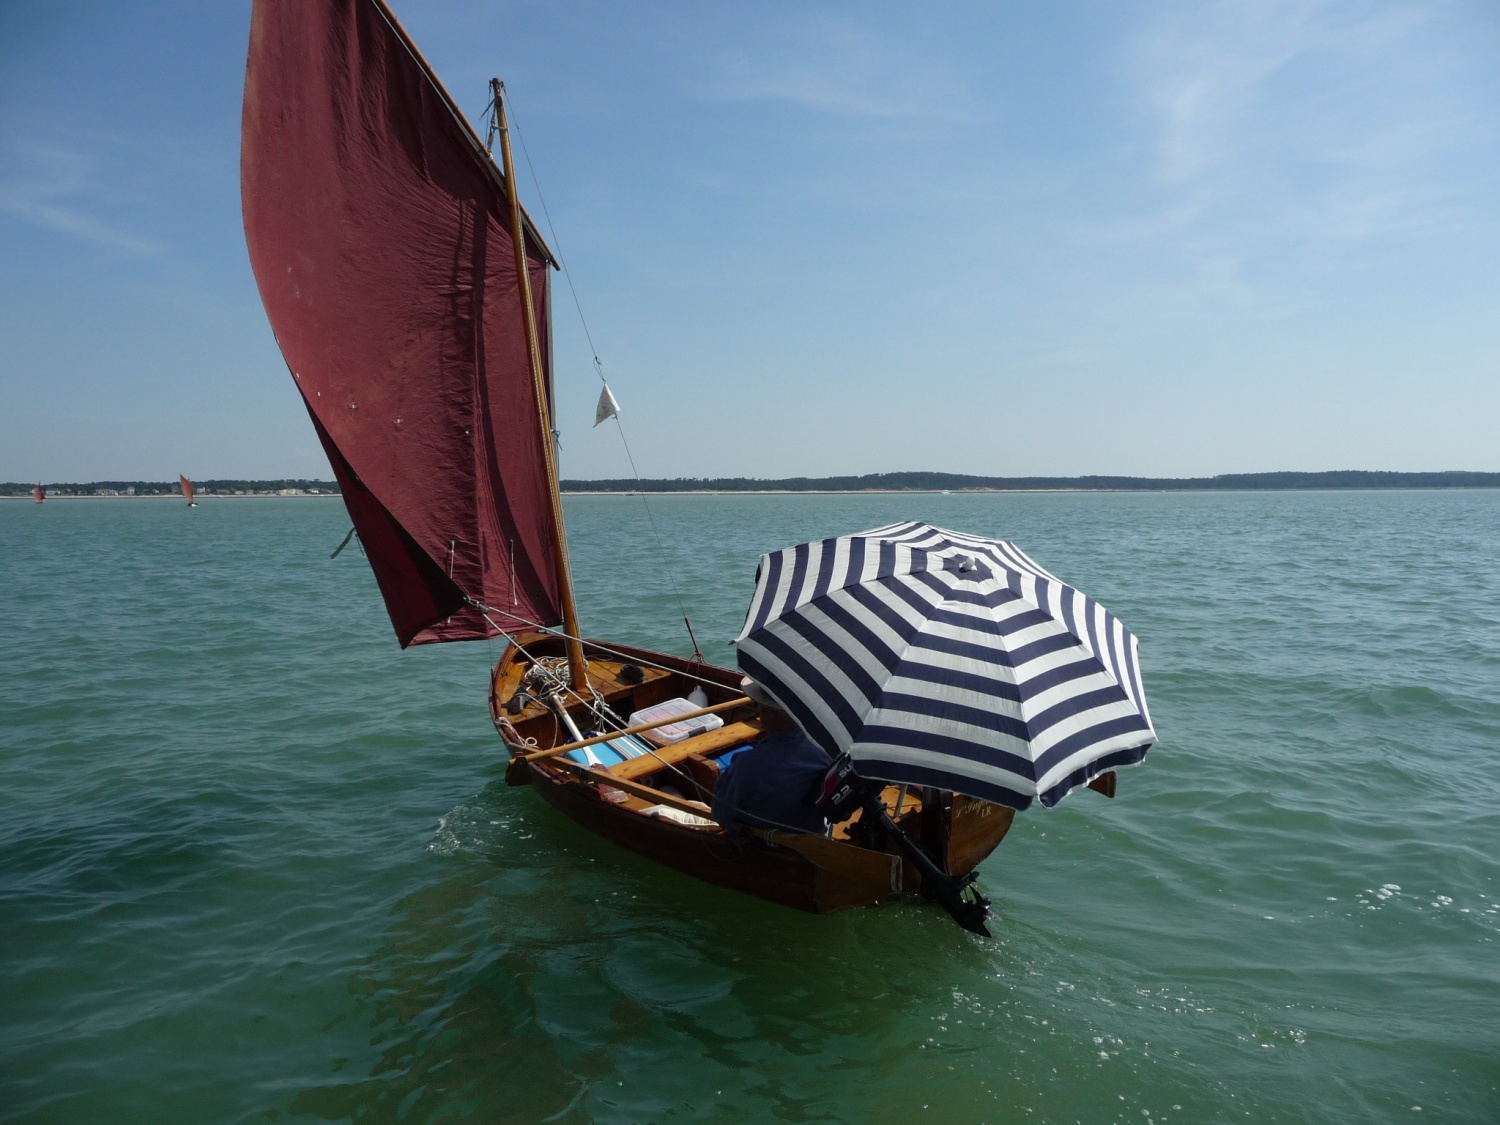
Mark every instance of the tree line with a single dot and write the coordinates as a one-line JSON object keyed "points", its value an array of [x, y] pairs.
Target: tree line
{"points": [[870, 482], [167, 488], [955, 482]]}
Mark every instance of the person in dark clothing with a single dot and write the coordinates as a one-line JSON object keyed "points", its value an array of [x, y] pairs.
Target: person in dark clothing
{"points": [[775, 782]]}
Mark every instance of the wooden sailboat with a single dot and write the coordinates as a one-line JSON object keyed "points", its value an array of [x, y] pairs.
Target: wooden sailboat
{"points": [[40, 494], [656, 803], [410, 296], [187, 490]]}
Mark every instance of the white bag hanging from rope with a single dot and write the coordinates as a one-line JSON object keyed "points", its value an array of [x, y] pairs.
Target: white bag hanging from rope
{"points": [[607, 407]]}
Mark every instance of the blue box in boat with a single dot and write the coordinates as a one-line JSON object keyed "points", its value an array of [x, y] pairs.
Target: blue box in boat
{"points": [[727, 758], [609, 753]]}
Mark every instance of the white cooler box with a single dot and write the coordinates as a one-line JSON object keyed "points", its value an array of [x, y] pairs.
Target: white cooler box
{"points": [[673, 732]]}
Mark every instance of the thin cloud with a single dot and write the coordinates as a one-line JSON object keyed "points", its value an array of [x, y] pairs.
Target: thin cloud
{"points": [[1206, 72], [1325, 121], [835, 67], [61, 189]]}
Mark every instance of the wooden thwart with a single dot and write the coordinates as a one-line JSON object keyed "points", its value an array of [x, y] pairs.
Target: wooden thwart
{"points": [[709, 742]]}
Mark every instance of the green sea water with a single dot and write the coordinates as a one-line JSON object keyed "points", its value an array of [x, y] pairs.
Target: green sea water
{"points": [[257, 864]]}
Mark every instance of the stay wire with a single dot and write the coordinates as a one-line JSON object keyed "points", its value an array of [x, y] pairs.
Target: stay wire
{"points": [[599, 367], [556, 242], [660, 546]]}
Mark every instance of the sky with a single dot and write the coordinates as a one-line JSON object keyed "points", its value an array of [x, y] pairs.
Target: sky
{"points": [[1016, 238]]}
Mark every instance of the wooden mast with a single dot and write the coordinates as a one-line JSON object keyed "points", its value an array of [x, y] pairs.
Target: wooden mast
{"points": [[578, 668]]}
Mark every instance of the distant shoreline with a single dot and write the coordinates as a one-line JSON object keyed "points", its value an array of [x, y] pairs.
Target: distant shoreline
{"points": [[1010, 491], [850, 492], [912, 482], [258, 495], [874, 484], [164, 489]]}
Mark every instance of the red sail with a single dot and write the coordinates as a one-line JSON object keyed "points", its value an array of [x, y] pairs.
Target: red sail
{"points": [[40, 494], [380, 238], [186, 486]]}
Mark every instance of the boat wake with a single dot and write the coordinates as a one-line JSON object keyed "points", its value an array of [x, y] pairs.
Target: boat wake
{"points": [[472, 828]]}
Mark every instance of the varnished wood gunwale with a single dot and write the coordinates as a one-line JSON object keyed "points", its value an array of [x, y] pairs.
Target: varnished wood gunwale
{"points": [[813, 873]]}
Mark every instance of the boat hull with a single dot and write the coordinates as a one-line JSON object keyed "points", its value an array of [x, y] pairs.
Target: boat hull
{"points": [[807, 872], [749, 864]]}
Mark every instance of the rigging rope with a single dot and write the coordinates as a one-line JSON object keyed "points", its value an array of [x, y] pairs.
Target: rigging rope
{"points": [[554, 631], [661, 549], [555, 670], [515, 123]]}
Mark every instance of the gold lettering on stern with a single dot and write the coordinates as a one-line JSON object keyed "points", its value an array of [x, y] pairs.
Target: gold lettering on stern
{"points": [[973, 809]]}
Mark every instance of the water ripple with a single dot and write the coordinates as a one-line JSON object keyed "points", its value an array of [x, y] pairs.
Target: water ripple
{"points": [[255, 863]]}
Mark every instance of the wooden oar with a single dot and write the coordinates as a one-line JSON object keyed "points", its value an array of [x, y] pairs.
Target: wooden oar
{"points": [[645, 792], [582, 742]]}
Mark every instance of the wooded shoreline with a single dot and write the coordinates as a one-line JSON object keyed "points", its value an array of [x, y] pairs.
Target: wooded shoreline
{"points": [[954, 482], [1350, 479]]}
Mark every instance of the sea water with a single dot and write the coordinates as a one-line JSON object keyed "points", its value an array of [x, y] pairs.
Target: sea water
{"points": [[257, 864]]}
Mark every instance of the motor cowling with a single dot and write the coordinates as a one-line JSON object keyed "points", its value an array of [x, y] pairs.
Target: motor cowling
{"points": [[843, 791]]}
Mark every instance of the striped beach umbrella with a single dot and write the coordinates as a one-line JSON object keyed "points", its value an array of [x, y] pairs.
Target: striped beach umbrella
{"points": [[936, 658]]}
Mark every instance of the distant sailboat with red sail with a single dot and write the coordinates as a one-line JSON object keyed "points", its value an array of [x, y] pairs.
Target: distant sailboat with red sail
{"points": [[40, 494], [187, 490]]}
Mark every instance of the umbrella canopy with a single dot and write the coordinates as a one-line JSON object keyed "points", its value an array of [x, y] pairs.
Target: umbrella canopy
{"points": [[936, 658]]}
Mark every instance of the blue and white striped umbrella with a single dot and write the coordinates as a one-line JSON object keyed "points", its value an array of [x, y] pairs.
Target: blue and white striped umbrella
{"points": [[950, 660]]}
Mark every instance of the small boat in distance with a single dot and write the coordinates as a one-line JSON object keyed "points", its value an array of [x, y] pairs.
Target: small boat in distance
{"points": [[40, 494], [187, 490]]}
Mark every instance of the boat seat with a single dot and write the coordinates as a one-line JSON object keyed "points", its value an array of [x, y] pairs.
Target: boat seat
{"points": [[710, 742]]}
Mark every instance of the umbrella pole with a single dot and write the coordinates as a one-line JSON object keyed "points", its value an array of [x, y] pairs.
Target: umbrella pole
{"points": [[945, 889], [900, 800]]}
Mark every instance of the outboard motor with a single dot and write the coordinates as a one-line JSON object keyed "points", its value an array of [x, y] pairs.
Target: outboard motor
{"points": [[844, 791]]}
